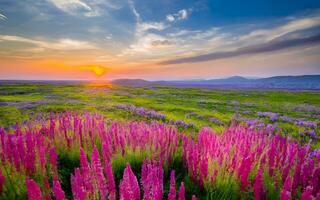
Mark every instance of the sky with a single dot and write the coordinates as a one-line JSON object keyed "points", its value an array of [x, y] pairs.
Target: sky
{"points": [[158, 39]]}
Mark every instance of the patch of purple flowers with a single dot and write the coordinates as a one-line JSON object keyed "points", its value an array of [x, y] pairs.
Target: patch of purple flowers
{"points": [[182, 123], [271, 115], [308, 124], [215, 121], [141, 111]]}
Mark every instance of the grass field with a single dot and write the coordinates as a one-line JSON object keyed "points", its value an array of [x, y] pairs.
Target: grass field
{"points": [[195, 106], [120, 130]]}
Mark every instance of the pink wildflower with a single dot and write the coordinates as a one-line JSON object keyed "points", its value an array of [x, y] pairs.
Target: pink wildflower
{"points": [[98, 174], [182, 192], [57, 190], [34, 192], [172, 190], [129, 187]]}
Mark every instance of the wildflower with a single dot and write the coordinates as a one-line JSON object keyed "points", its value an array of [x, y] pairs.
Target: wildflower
{"points": [[110, 182], [172, 190], [86, 172], [129, 187], [77, 186], [53, 160], [34, 192], [307, 194], [98, 173], [257, 186], [182, 192], [57, 190], [286, 190]]}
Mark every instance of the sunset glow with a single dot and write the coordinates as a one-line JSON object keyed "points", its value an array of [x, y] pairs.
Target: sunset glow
{"points": [[183, 40]]}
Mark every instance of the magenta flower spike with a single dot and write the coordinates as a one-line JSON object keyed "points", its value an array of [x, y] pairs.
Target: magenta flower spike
{"points": [[77, 185], [182, 192], [86, 173], [172, 189], [257, 186], [129, 187], [57, 190], [286, 190], [98, 173], [34, 192], [110, 182], [53, 158], [307, 194]]}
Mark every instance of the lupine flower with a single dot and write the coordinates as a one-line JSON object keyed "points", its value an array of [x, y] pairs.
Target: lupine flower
{"points": [[57, 190], [257, 187], [209, 158], [172, 190], [86, 172], [182, 192], [53, 160], [152, 180], [286, 190], [77, 185], [307, 194], [194, 197], [110, 182], [129, 187], [34, 192], [98, 174]]}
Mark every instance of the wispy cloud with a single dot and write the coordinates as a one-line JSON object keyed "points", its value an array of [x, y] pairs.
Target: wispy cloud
{"points": [[274, 45], [180, 15], [64, 44], [183, 45], [295, 24], [3, 17], [88, 8]]}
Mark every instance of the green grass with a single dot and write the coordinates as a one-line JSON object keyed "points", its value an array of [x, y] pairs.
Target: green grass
{"points": [[193, 105]]}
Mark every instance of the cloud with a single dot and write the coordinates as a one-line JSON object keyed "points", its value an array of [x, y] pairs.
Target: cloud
{"points": [[180, 15], [3, 17], [64, 44], [291, 26], [74, 7], [274, 45], [170, 18], [161, 43], [87, 8]]}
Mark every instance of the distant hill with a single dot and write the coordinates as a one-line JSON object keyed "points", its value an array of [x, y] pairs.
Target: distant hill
{"points": [[309, 82]]}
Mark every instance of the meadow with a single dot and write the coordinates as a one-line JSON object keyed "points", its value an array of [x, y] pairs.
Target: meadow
{"points": [[106, 141]]}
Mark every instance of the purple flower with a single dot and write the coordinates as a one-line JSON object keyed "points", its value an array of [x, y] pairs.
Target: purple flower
{"points": [[215, 120], [272, 116]]}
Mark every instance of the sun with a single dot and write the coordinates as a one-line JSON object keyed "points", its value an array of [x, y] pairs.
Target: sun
{"points": [[98, 70]]}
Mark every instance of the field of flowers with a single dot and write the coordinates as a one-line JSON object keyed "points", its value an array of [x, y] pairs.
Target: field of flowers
{"points": [[103, 141], [85, 156]]}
